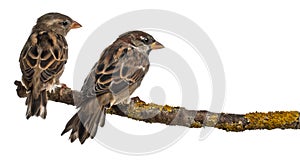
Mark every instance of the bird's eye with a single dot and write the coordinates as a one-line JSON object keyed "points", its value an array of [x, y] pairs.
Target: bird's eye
{"points": [[65, 23], [144, 39]]}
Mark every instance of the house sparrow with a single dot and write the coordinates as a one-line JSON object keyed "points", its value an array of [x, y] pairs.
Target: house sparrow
{"points": [[43, 58], [119, 71]]}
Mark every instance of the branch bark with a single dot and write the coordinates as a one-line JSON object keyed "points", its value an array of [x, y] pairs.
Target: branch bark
{"points": [[165, 114]]}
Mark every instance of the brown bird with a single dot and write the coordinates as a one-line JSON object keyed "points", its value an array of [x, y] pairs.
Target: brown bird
{"points": [[119, 71], [43, 58]]}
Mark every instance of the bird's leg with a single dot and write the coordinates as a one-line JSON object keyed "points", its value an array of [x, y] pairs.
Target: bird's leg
{"points": [[125, 102], [130, 101], [62, 87], [52, 88]]}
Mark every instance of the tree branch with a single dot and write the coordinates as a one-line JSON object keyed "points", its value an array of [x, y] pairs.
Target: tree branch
{"points": [[153, 113]]}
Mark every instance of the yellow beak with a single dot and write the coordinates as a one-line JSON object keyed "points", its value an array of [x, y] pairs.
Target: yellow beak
{"points": [[156, 45]]}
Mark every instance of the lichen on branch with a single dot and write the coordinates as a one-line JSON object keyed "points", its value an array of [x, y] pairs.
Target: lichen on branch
{"points": [[180, 116]]}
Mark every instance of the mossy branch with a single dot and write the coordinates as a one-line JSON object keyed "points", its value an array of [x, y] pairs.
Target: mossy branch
{"points": [[153, 113]]}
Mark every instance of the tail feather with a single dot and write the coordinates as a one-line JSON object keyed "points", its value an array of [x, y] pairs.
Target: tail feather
{"points": [[84, 123], [102, 118], [83, 133], [37, 106]]}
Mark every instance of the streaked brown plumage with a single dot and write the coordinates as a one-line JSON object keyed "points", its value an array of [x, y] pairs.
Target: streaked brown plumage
{"points": [[112, 80], [43, 58]]}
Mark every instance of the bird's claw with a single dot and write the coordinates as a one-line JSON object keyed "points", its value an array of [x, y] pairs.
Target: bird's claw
{"points": [[52, 88], [136, 99], [62, 88]]}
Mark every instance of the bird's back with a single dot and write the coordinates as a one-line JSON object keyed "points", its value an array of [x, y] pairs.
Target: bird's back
{"points": [[43, 58], [119, 72]]}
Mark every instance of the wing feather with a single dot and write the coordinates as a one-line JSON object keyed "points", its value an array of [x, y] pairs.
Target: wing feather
{"points": [[43, 56], [117, 69]]}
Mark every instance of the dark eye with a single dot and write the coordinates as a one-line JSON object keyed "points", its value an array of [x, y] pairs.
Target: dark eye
{"points": [[65, 23], [144, 39]]}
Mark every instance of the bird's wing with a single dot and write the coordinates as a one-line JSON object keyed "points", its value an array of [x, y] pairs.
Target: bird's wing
{"points": [[116, 70], [43, 58]]}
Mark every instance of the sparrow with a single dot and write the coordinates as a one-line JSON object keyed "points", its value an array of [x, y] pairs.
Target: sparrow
{"points": [[117, 74], [43, 58]]}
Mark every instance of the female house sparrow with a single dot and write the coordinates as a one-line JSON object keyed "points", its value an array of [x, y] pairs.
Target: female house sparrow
{"points": [[119, 71], [43, 58]]}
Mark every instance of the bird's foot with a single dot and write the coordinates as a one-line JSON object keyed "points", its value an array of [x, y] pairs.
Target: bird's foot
{"points": [[52, 88], [62, 88], [136, 99]]}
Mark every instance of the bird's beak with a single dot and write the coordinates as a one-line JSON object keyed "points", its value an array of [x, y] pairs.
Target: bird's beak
{"points": [[75, 25], [156, 45]]}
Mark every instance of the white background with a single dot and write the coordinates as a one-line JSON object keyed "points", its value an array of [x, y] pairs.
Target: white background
{"points": [[258, 43]]}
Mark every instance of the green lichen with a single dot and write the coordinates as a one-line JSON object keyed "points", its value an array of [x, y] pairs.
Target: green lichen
{"points": [[168, 108], [236, 127], [141, 110], [196, 124], [271, 120]]}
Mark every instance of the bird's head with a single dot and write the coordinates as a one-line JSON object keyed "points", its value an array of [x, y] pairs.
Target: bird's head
{"points": [[59, 23], [141, 40]]}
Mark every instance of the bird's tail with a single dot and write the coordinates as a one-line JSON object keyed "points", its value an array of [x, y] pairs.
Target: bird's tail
{"points": [[84, 123], [36, 105]]}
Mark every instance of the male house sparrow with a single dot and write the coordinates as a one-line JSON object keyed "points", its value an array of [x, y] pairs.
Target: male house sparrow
{"points": [[119, 71], [43, 58]]}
